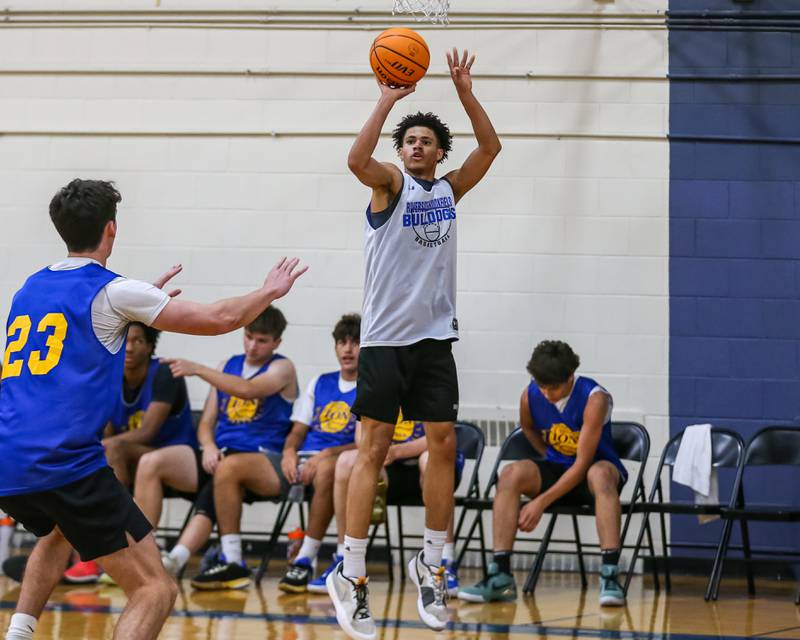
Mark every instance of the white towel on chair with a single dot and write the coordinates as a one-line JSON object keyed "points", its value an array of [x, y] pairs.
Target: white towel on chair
{"points": [[693, 466]]}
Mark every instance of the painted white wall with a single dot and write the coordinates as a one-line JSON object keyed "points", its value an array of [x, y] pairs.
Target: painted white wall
{"points": [[566, 238]]}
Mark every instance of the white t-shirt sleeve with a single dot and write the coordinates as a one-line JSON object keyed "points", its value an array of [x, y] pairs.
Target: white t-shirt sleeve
{"points": [[121, 302], [599, 389], [303, 410]]}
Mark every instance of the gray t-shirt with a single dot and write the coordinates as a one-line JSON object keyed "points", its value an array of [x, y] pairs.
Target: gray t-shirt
{"points": [[410, 280]]}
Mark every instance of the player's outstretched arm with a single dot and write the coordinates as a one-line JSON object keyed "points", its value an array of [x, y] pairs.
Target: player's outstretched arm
{"points": [[374, 174], [223, 316], [478, 162]]}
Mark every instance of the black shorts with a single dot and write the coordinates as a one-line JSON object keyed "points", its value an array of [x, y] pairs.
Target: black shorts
{"points": [[579, 495], [94, 513], [420, 379], [204, 503]]}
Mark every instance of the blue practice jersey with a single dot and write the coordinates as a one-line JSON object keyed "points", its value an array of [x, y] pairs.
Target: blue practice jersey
{"points": [[252, 425], [407, 430], [561, 429], [127, 416], [332, 425], [59, 382]]}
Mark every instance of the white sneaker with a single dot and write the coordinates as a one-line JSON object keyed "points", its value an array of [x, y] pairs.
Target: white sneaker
{"points": [[431, 584], [170, 564], [352, 607]]}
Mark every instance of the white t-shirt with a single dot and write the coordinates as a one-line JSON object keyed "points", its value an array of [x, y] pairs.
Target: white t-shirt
{"points": [[562, 404], [119, 303], [303, 411]]}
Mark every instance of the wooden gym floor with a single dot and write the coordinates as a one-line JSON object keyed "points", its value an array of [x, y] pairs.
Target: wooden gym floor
{"points": [[560, 609]]}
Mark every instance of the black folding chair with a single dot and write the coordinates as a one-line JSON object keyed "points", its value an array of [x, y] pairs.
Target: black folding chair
{"points": [[772, 446], [631, 442], [284, 509], [471, 442], [727, 451]]}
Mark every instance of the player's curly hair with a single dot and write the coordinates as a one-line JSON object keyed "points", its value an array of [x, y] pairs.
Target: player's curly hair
{"points": [[432, 122], [553, 362], [151, 335], [349, 326]]}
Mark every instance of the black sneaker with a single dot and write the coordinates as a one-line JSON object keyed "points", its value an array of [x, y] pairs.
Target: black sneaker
{"points": [[297, 577], [224, 575]]}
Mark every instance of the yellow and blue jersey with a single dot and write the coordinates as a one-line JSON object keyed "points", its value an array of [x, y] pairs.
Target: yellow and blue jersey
{"points": [[407, 430], [332, 424], [60, 383], [127, 416], [561, 430], [252, 425]]}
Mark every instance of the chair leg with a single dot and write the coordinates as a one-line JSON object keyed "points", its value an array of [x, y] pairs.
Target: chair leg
{"points": [[579, 548], [748, 557], [652, 548], [536, 569], [460, 524], [636, 548], [484, 566], [715, 579], [667, 557], [388, 537], [468, 539], [280, 520], [401, 543], [302, 516]]}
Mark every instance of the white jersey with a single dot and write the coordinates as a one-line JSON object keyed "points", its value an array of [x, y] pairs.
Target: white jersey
{"points": [[410, 280]]}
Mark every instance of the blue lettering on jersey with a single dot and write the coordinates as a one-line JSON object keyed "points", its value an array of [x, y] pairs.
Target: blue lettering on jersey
{"points": [[332, 424], [431, 220], [59, 382], [127, 416], [561, 430], [252, 425]]}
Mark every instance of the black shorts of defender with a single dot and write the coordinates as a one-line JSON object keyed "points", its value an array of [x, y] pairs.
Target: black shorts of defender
{"points": [[95, 514], [420, 379], [579, 495]]}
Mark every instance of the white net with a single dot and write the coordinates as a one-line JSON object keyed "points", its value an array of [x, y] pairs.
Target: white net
{"points": [[431, 10]]}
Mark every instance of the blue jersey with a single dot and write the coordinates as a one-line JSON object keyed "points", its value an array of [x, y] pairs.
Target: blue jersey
{"points": [[252, 425], [59, 382], [127, 416], [407, 430], [562, 429], [332, 425]]}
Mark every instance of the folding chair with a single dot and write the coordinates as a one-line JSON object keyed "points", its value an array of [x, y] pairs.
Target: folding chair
{"points": [[772, 446], [471, 442], [727, 449]]}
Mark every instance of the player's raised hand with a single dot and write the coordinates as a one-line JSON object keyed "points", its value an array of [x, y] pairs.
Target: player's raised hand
{"points": [[283, 276], [173, 271], [460, 70], [396, 92]]}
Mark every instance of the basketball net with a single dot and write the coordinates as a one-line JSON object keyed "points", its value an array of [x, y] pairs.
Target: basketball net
{"points": [[431, 10]]}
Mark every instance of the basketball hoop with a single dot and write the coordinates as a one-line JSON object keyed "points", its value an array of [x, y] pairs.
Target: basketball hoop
{"points": [[431, 10]]}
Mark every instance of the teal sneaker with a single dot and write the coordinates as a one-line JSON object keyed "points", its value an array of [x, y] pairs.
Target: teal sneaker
{"points": [[611, 593], [495, 587]]}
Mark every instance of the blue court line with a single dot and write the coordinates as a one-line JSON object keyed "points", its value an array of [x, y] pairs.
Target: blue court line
{"points": [[468, 627]]}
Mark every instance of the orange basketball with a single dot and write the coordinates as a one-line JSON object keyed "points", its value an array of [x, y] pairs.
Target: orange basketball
{"points": [[399, 57]]}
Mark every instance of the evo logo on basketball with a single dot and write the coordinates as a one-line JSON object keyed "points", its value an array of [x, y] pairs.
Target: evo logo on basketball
{"points": [[431, 220]]}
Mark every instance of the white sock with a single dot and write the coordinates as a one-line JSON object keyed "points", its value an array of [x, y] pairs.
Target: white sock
{"points": [[340, 549], [434, 545], [449, 552], [181, 555], [21, 627], [310, 549], [232, 547], [355, 557]]}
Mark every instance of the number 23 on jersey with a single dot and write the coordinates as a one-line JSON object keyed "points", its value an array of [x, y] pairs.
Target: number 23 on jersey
{"points": [[18, 333]]}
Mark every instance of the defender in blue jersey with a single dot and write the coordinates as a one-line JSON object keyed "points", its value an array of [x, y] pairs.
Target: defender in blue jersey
{"points": [[242, 432], [151, 411], [323, 428], [567, 419], [62, 374]]}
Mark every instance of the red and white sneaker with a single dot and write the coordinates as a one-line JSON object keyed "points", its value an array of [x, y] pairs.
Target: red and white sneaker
{"points": [[83, 572]]}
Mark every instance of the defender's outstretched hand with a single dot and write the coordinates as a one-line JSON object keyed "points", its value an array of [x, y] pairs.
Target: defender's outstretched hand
{"points": [[283, 276], [173, 271], [460, 70]]}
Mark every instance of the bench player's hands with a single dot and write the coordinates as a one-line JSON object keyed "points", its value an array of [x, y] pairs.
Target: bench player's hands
{"points": [[289, 465], [531, 514], [460, 70], [181, 368], [161, 281], [309, 470], [211, 457]]}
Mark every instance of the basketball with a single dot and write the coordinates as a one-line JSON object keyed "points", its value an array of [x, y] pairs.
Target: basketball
{"points": [[399, 57]]}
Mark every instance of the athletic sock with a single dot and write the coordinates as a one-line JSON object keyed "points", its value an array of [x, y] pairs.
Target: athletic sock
{"points": [[449, 552], [340, 549], [309, 550], [610, 556], [232, 547], [21, 627], [433, 547], [180, 554], [503, 561], [355, 557]]}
